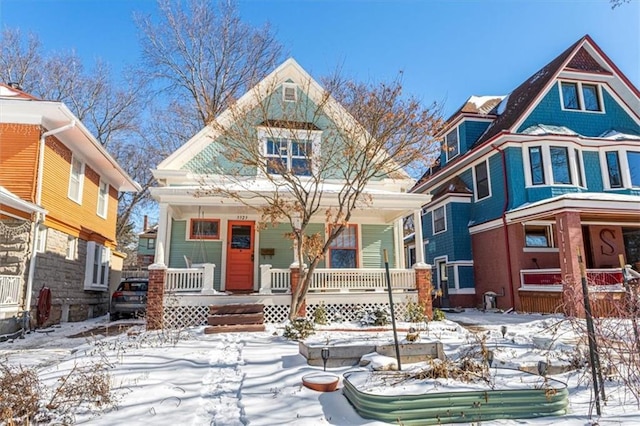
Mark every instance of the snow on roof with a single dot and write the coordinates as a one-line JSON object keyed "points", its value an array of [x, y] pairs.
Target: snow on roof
{"points": [[503, 105], [547, 129], [11, 93], [484, 104], [618, 136]]}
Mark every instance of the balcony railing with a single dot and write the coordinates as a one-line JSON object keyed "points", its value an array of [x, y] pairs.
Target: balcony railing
{"points": [[551, 279], [9, 290]]}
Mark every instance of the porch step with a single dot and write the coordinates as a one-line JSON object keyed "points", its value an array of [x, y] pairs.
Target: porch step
{"points": [[236, 319], [236, 308], [233, 328]]}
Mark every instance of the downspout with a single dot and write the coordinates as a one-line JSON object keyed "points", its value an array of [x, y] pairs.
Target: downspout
{"points": [[39, 216], [504, 224]]}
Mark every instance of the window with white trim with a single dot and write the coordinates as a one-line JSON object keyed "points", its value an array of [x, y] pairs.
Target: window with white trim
{"points": [[439, 218], [76, 179], [538, 236], [621, 168], [151, 243], [103, 199], [96, 276], [452, 144], [41, 239], [72, 248], [287, 155], [578, 96], [289, 92], [537, 165], [482, 181], [558, 164]]}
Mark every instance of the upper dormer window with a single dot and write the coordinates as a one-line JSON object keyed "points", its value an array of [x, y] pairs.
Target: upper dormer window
{"points": [[580, 96], [284, 155], [289, 92], [452, 144]]}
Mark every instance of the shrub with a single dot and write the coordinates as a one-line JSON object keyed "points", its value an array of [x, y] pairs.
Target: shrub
{"points": [[320, 314], [438, 315], [20, 396], [374, 316], [298, 329], [415, 313]]}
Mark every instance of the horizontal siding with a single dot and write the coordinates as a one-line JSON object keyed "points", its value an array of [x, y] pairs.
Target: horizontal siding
{"points": [[79, 219], [19, 158], [375, 239], [203, 251], [273, 237]]}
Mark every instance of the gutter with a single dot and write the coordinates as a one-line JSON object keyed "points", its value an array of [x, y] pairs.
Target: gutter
{"points": [[39, 216], [504, 226]]}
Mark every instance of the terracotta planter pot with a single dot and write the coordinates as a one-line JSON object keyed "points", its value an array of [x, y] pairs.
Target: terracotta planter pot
{"points": [[321, 382]]}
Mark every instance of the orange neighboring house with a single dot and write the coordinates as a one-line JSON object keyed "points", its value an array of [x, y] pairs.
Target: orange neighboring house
{"points": [[58, 205]]}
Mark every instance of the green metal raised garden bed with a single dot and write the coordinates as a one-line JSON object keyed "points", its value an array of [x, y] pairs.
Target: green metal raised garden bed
{"points": [[537, 397]]}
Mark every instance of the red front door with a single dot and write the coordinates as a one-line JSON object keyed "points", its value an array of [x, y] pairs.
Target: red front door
{"points": [[240, 256]]}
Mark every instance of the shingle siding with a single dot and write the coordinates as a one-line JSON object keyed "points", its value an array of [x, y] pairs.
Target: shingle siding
{"points": [[592, 124]]}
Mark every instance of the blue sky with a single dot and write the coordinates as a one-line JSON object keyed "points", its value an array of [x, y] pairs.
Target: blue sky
{"points": [[447, 50]]}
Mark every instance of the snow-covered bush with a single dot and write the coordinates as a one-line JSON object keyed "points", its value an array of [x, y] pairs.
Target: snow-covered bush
{"points": [[374, 316], [298, 329]]}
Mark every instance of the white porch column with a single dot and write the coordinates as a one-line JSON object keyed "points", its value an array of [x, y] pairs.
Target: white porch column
{"points": [[265, 279], [417, 226], [207, 278], [398, 231], [161, 258]]}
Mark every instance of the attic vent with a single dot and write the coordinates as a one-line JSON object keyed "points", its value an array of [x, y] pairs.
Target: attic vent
{"points": [[289, 93]]}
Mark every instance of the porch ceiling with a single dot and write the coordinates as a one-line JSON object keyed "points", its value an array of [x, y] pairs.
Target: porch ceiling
{"points": [[385, 205]]}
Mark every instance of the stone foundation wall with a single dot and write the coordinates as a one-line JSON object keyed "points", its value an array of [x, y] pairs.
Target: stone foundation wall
{"points": [[65, 278], [14, 247]]}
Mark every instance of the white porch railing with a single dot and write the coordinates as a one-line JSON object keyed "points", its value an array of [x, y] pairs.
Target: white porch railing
{"points": [[9, 290], [339, 280], [191, 280], [551, 279]]}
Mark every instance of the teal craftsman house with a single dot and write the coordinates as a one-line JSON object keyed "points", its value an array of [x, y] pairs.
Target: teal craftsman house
{"points": [[212, 245], [529, 181]]}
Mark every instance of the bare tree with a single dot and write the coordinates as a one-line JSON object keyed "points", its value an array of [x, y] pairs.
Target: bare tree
{"points": [[369, 132], [204, 57], [111, 111]]}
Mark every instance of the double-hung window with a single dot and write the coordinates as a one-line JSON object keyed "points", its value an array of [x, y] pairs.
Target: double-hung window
{"points": [[97, 267], [452, 144], [439, 220], [76, 178], [633, 158], [481, 175], [613, 169], [103, 199], [537, 165], [560, 165], [538, 236], [580, 96], [287, 155], [343, 251]]}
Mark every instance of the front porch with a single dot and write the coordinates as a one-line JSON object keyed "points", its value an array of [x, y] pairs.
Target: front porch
{"points": [[187, 293], [541, 290]]}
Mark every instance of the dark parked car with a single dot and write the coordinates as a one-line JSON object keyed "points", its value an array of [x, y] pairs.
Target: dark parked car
{"points": [[129, 299]]}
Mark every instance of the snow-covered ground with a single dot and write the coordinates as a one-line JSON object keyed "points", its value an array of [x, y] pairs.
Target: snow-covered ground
{"points": [[189, 378]]}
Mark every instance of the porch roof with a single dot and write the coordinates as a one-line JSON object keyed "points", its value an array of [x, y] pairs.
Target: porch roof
{"points": [[591, 206], [9, 199], [390, 205]]}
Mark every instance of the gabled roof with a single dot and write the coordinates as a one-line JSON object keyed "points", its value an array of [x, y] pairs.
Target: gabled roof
{"points": [[17, 106], [289, 72], [575, 58], [453, 186]]}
